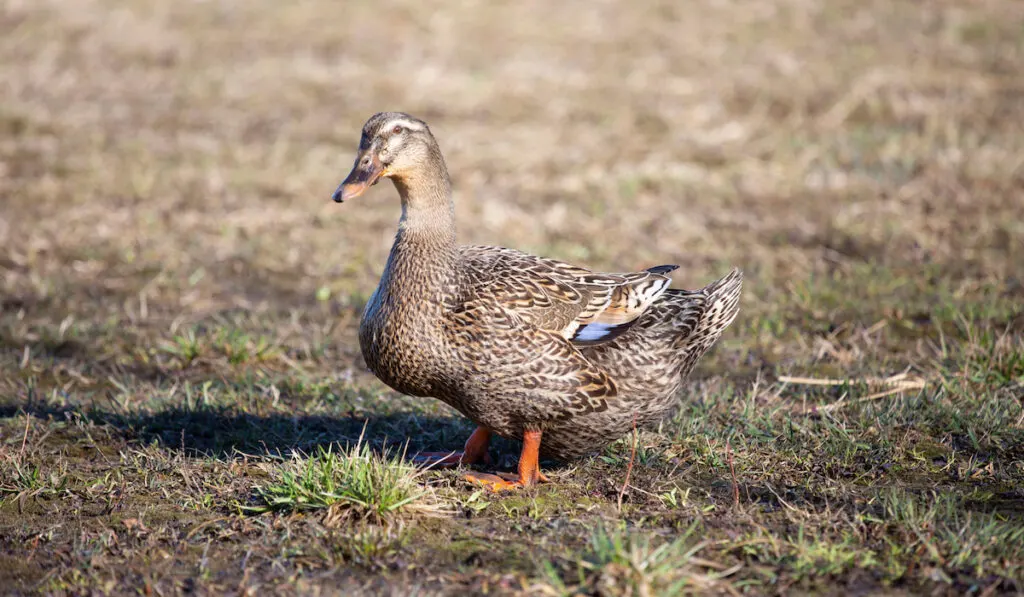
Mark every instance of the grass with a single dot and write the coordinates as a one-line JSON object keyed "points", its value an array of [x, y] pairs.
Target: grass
{"points": [[617, 562], [183, 402], [352, 482]]}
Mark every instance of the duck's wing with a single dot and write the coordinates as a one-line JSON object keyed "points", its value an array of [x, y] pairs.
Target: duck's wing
{"points": [[582, 306], [551, 379]]}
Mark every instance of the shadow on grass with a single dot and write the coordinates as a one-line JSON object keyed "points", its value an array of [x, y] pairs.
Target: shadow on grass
{"points": [[220, 432]]}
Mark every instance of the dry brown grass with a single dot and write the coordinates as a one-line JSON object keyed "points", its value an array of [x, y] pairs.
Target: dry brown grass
{"points": [[166, 230]]}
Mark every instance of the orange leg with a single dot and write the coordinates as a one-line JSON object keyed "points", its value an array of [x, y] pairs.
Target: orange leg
{"points": [[529, 468], [475, 452]]}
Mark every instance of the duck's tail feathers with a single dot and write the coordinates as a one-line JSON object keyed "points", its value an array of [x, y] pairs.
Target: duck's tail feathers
{"points": [[718, 306]]}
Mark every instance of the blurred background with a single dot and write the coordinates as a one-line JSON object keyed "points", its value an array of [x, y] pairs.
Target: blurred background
{"points": [[185, 152]]}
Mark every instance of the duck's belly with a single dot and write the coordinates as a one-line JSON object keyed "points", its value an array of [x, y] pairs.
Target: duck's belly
{"points": [[576, 436], [592, 432]]}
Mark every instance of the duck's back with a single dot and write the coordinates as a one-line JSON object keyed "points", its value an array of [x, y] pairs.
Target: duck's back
{"points": [[583, 306]]}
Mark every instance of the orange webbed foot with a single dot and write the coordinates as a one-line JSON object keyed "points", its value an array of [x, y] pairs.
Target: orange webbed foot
{"points": [[529, 469], [494, 483], [503, 481]]}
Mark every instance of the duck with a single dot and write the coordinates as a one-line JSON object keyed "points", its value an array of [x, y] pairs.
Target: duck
{"points": [[563, 358]]}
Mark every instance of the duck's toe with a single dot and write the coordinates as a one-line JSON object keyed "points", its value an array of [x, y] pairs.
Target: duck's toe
{"points": [[493, 482], [541, 477], [504, 481]]}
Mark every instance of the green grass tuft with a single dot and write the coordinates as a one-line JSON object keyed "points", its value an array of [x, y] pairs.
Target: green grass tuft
{"points": [[351, 482], [617, 561]]}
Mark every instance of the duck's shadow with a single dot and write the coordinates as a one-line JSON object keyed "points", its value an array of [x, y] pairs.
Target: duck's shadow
{"points": [[226, 432]]}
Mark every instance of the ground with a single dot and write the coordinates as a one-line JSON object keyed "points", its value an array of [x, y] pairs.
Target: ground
{"points": [[179, 368]]}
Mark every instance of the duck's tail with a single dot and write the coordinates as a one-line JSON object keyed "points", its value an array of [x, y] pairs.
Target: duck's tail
{"points": [[702, 315], [680, 326]]}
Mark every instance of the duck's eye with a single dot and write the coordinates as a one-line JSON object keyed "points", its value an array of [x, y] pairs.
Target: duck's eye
{"points": [[399, 129]]}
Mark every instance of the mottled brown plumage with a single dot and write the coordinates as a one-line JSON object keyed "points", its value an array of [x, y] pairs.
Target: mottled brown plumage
{"points": [[517, 343]]}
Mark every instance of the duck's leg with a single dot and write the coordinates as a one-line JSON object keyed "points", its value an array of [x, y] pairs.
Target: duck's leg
{"points": [[529, 468], [474, 452]]}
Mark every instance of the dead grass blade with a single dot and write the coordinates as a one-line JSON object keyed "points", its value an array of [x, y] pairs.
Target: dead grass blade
{"points": [[894, 384], [629, 466]]}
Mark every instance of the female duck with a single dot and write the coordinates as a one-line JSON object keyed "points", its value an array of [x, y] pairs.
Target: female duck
{"points": [[526, 347]]}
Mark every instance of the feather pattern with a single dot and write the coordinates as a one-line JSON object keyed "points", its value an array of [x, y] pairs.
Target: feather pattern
{"points": [[517, 342]]}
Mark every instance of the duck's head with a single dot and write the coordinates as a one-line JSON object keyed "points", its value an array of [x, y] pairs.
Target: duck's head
{"points": [[393, 145]]}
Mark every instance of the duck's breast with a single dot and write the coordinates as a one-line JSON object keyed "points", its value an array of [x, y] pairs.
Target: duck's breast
{"points": [[402, 344]]}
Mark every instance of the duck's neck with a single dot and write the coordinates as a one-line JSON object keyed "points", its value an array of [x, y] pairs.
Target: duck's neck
{"points": [[422, 259], [428, 213]]}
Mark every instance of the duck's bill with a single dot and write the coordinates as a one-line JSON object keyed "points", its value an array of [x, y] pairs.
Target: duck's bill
{"points": [[358, 180]]}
